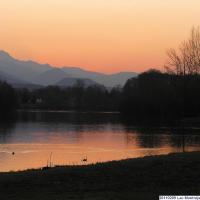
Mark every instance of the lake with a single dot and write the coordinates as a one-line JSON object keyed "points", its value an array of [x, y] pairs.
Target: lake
{"points": [[38, 138]]}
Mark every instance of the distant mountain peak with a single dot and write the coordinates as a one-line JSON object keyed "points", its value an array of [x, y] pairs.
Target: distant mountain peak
{"points": [[51, 76], [4, 55], [45, 74]]}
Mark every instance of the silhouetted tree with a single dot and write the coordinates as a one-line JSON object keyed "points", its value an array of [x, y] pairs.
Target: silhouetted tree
{"points": [[186, 60], [8, 99], [151, 93], [185, 63]]}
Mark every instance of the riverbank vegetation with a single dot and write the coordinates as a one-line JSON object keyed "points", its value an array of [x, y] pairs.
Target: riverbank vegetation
{"points": [[141, 179]]}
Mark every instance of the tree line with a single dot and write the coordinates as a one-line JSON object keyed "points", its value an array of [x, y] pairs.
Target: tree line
{"points": [[151, 93], [78, 97], [162, 94]]}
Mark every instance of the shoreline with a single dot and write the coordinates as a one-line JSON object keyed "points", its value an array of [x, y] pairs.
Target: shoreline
{"points": [[67, 111], [138, 178]]}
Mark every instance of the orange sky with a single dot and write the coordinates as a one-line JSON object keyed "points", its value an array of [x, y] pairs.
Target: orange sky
{"points": [[99, 35]]}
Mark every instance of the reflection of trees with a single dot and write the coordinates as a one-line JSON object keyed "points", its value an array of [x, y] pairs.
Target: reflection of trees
{"points": [[149, 138], [192, 140], [6, 131], [154, 133], [149, 141], [184, 137], [71, 121], [155, 137], [177, 138], [144, 135], [70, 124], [69, 117]]}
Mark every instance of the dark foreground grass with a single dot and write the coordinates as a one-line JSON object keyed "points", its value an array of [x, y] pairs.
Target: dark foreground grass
{"points": [[143, 178]]}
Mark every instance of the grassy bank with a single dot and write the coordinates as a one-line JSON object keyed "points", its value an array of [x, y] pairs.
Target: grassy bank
{"points": [[143, 178]]}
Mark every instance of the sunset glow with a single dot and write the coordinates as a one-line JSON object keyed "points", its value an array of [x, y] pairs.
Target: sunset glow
{"points": [[99, 35]]}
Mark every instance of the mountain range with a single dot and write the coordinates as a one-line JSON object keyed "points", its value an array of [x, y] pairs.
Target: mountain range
{"points": [[32, 74]]}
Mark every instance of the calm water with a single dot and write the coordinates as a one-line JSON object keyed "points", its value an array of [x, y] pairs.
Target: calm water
{"points": [[68, 138]]}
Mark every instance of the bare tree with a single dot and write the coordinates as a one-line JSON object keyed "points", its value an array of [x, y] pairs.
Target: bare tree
{"points": [[185, 60]]}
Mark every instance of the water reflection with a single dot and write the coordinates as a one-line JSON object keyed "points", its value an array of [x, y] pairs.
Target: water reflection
{"points": [[6, 131], [72, 136]]}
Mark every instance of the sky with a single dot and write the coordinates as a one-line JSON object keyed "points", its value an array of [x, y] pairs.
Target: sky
{"points": [[99, 35]]}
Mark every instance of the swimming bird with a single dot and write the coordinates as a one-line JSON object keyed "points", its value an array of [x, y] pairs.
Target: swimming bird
{"points": [[84, 159]]}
